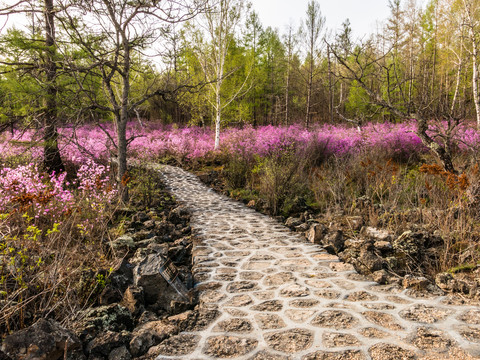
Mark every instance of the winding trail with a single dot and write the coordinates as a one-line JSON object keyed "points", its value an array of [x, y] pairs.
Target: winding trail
{"points": [[272, 295]]}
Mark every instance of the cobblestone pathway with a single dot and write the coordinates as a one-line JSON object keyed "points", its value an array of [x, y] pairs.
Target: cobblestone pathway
{"points": [[270, 295]]}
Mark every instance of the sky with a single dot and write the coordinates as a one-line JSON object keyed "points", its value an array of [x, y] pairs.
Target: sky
{"points": [[363, 14]]}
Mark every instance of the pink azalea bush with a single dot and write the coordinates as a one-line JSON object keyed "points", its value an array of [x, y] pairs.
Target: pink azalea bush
{"points": [[27, 191], [151, 141]]}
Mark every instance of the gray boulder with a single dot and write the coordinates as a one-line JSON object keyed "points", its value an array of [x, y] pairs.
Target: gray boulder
{"points": [[46, 339]]}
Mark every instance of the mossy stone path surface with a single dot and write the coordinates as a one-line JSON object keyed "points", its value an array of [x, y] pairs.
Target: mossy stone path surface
{"points": [[268, 294]]}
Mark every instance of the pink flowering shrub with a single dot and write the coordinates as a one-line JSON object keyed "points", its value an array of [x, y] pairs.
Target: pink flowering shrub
{"points": [[50, 198], [151, 141], [25, 189]]}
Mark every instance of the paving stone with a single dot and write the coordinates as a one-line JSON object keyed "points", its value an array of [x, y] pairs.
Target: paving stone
{"points": [[382, 319], [361, 296], [178, 345], [328, 294], [269, 321], [432, 339], [279, 279], [295, 291], [335, 319], [239, 300], [379, 306], [265, 355], [425, 313], [211, 296], [318, 284], [337, 355], [470, 333], [269, 305], [332, 340], [242, 286], [233, 325], [470, 317], [299, 316], [264, 295], [235, 312], [304, 303], [371, 332], [390, 352], [229, 346], [251, 275], [290, 341]]}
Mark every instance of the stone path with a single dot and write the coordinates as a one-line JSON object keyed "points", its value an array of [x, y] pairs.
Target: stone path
{"points": [[271, 295]]}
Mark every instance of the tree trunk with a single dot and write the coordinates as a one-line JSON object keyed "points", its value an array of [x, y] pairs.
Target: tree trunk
{"points": [[122, 154], [51, 158], [475, 80], [218, 113], [309, 93]]}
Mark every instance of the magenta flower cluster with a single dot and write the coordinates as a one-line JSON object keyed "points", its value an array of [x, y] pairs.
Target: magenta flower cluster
{"points": [[26, 190], [150, 141]]}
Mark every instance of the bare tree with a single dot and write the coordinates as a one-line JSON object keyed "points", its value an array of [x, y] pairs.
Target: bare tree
{"points": [[312, 28], [114, 33], [218, 26], [360, 64], [472, 22]]}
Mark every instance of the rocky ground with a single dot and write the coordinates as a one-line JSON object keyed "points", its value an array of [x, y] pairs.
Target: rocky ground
{"points": [[148, 298]]}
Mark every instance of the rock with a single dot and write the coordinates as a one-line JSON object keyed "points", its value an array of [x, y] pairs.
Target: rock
{"points": [[124, 242], [376, 234], [302, 227], [118, 281], [97, 320], [448, 283], [120, 353], [354, 222], [140, 216], [105, 342], [383, 246], [291, 222], [150, 334], [363, 256], [415, 282], [45, 339], [178, 215], [147, 316], [143, 234], [177, 345], [158, 292], [380, 276], [149, 224], [334, 242], [315, 233]]}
